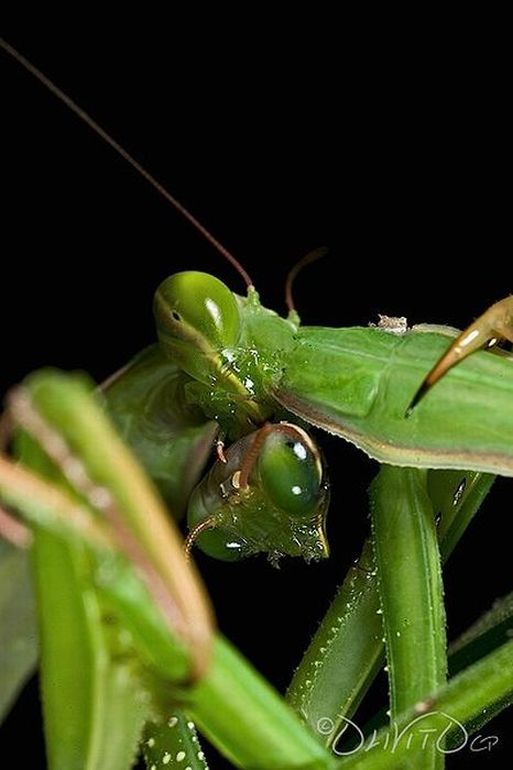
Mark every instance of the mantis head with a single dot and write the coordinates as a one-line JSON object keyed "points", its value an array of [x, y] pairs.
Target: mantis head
{"points": [[270, 496]]}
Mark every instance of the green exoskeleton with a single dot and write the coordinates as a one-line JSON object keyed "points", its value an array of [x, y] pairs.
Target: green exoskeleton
{"points": [[241, 367], [114, 588], [213, 371]]}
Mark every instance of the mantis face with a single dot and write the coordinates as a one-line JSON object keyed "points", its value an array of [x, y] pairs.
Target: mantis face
{"points": [[271, 495]]}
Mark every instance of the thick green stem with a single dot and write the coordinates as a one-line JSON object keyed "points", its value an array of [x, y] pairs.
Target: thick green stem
{"points": [[409, 584], [410, 589]]}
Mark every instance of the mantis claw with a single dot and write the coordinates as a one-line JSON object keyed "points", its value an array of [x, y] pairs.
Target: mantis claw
{"points": [[493, 325]]}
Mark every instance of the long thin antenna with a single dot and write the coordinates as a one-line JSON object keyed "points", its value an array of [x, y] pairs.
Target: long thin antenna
{"points": [[312, 256], [86, 118]]}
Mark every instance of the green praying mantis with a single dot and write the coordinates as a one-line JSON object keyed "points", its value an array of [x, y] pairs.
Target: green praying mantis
{"points": [[225, 372]]}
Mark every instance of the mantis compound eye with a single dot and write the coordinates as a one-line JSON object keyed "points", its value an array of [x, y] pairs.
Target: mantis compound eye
{"points": [[290, 471], [193, 303], [195, 314]]}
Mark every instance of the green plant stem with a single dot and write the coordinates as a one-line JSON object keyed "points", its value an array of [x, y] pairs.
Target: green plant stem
{"points": [[409, 584], [344, 656], [469, 701], [347, 650], [246, 719], [410, 589], [456, 496], [488, 632]]}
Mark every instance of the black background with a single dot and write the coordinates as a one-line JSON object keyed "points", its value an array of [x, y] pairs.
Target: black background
{"points": [[398, 169]]}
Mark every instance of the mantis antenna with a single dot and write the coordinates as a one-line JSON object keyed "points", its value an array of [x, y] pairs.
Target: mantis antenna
{"points": [[312, 256], [86, 118]]}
